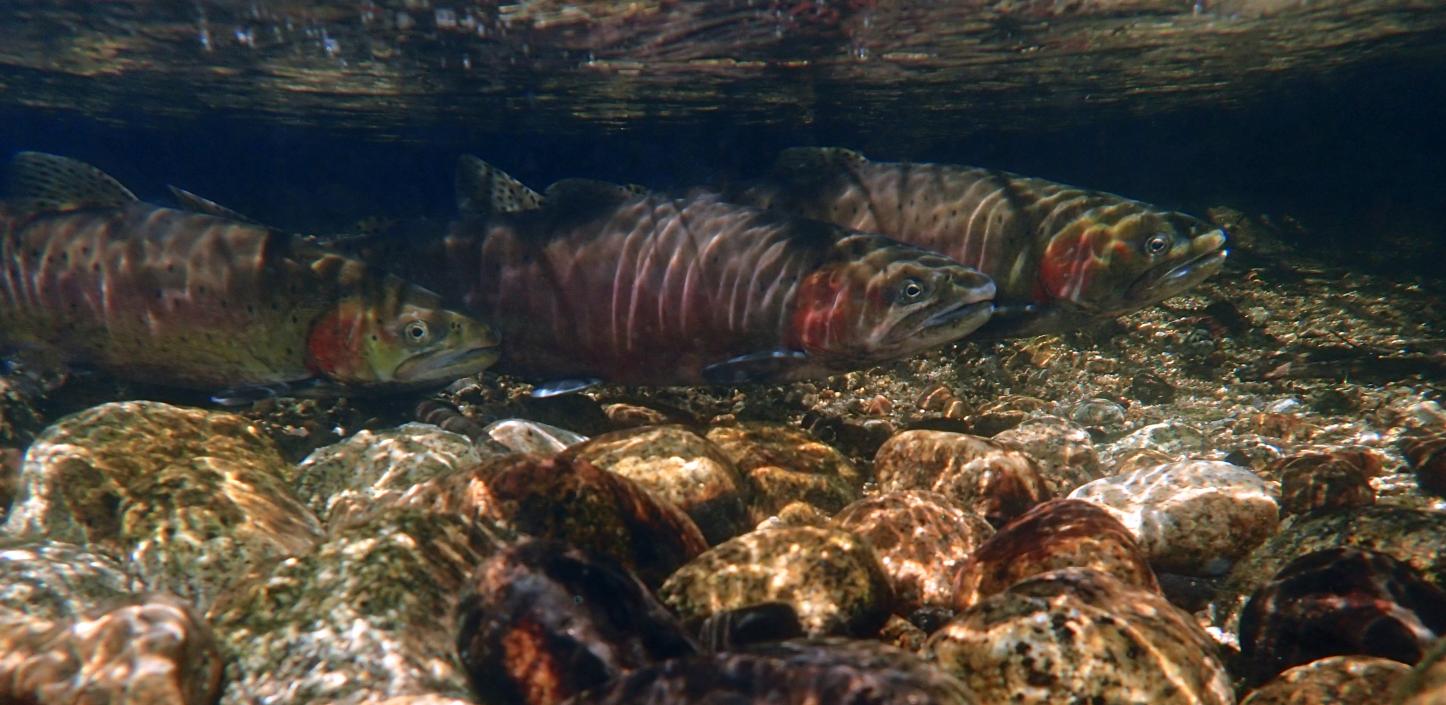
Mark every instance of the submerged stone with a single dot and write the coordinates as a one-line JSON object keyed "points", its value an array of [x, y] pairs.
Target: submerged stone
{"points": [[1194, 517], [1340, 601], [543, 621], [920, 539], [1079, 635], [1061, 533], [1334, 680], [1064, 452], [992, 480], [190, 498], [572, 501], [789, 673], [785, 464], [51, 580], [831, 578], [681, 467]]}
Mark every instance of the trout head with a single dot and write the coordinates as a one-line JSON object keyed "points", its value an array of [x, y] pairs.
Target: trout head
{"points": [[874, 299], [397, 336], [1124, 256]]}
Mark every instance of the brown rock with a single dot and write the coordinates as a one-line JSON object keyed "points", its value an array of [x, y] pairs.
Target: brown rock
{"points": [[1063, 450], [1324, 481], [572, 501], [157, 652], [789, 673], [1335, 680], [1061, 533], [679, 466], [1426, 683], [988, 478], [1340, 601], [737, 629], [544, 621], [784, 464], [1079, 635], [1425, 450], [830, 577], [920, 539]]}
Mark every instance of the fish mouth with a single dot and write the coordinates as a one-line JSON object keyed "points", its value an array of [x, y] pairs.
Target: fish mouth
{"points": [[448, 365], [1155, 286]]}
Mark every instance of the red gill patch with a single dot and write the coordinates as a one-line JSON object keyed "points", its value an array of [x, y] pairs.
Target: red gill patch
{"points": [[334, 343], [822, 303]]}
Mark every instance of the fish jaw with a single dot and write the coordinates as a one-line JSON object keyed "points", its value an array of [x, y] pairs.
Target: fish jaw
{"points": [[1208, 255]]}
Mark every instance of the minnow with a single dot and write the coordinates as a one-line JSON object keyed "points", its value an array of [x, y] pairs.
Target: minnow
{"points": [[599, 282], [1062, 257], [95, 277]]}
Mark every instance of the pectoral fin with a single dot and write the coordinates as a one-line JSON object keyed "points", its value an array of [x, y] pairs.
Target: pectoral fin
{"points": [[757, 368]]}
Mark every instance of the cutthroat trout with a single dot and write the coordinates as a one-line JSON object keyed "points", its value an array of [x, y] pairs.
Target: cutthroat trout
{"points": [[597, 282], [1062, 257], [151, 294]]}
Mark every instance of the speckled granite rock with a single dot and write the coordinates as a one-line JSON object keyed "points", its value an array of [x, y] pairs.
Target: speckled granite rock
{"points": [[56, 581], [1080, 636], [191, 497], [372, 469], [920, 539], [543, 622], [733, 630], [368, 615], [1194, 517], [156, 652], [789, 673], [1312, 482], [1173, 438], [785, 464], [1061, 533], [532, 437], [994, 481], [571, 501], [681, 467], [1414, 536], [1064, 451], [831, 577], [1335, 680], [1339, 601], [1426, 683]]}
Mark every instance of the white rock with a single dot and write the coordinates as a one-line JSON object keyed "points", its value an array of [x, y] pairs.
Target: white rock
{"points": [[523, 436], [1194, 517]]}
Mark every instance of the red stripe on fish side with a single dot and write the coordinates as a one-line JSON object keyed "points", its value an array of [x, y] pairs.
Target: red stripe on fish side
{"points": [[1069, 263], [334, 343], [821, 307]]}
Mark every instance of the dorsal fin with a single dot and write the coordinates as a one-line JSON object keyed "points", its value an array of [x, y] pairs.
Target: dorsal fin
{"points": [[51, 182], [199, 204], [815, 163], [587, 194], [483, 189]]}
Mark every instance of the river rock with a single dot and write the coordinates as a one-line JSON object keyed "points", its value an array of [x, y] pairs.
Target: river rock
{"points": [[1194, 517], [544, 621], [1312, 482], [531, 437], [1340, 601], [156, 652], [368, 615], [1426, 683], [1172, 438], [785, 464], [789, 673], [1334, 680], [1416, 537], [1080, 636], [1061, 533], [681, 467], [58, 581], [831, 577], [736, 629], [191, 497], [1425, 451], [921, 540], [988, 478], [572, 501], [1063, 451], [372, 469]]}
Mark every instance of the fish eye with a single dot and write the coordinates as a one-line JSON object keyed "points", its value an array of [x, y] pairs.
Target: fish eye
{"points": [[911, 290], [416, 331], [1158, 244]]}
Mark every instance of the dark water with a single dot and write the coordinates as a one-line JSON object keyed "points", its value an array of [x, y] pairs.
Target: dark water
{"points": [[1354, 156]]}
